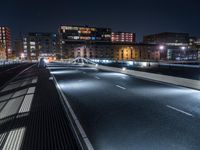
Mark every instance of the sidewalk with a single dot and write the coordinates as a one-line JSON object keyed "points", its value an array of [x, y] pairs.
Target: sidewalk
{"points": [[32, 116]]}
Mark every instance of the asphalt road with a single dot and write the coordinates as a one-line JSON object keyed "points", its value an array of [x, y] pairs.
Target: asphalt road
{"points": [[121, 112]]}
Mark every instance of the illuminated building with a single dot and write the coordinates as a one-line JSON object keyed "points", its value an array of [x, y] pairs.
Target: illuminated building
{"points": [[101, 43], [177, 46], [84, 33], [36, 45], [124, 52], [123, 37], [5, 40]]}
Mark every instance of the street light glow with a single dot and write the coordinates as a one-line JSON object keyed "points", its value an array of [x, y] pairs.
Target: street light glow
{"points": [[161, 47], [123, 68], [22, 55], [183, 47]]}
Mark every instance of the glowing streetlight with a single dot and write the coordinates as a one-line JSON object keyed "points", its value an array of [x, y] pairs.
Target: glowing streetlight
{"points": [[124, 69], [183, 48], [22, 55], [161, 47]]}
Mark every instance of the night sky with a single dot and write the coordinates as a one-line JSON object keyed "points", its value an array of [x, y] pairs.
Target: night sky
{"points": [[139, 16]]}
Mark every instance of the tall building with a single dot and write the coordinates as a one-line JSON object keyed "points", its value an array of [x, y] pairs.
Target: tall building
{"points": [[5, 40], [123, 37], [36, 45]]}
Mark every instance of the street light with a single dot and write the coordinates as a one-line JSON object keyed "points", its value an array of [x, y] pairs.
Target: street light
{"points": [[22, 55], [161, 48], [183, 48], [124, 68]]}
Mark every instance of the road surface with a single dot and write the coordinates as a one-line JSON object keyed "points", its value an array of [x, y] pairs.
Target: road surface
{"points": [[122, 112]]}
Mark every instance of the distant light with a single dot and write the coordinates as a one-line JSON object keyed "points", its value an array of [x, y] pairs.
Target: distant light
{"points": [[46, 60], [183, 47], [105, 61], [96, 65], [161, 47], [144, 64], [130, 63], [22, 55], [123, 68]]}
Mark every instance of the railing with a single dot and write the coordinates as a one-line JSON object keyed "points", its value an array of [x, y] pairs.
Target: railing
{"points": [[4, 63]]}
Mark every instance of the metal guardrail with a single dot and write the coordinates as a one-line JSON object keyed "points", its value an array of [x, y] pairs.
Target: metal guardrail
{"points": [[6, 63]]}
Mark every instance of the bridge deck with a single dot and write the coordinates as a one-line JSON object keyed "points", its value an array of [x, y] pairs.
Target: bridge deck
{"points": [[31, 115]]}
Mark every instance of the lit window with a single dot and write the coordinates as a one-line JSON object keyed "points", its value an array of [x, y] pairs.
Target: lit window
{"points": [[32, 43]]}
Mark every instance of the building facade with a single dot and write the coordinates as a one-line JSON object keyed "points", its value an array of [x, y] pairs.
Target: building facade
{"points": [[36, 45], [94, 43], [110, 51], [175, 46], [123, 37], [5, 40], [84, 33]]}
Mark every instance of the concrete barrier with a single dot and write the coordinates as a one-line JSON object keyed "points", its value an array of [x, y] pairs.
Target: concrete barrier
{"points": [[194, 84]]}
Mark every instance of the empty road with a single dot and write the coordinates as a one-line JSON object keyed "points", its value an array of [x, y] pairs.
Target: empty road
{"points": [[122, 112]]}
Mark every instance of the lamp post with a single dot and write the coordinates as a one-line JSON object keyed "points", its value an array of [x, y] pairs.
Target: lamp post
{"points": [[183, 48], [161, 49]]}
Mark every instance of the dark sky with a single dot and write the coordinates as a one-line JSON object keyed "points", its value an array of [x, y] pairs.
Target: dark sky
{"points": [[139, 16]]}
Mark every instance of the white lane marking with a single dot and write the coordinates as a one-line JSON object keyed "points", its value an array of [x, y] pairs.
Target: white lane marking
{"points": [[121, 87], [31, 90], [97, 78], [2, 137], [26, 105], [14, 139], [181, 111]]}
